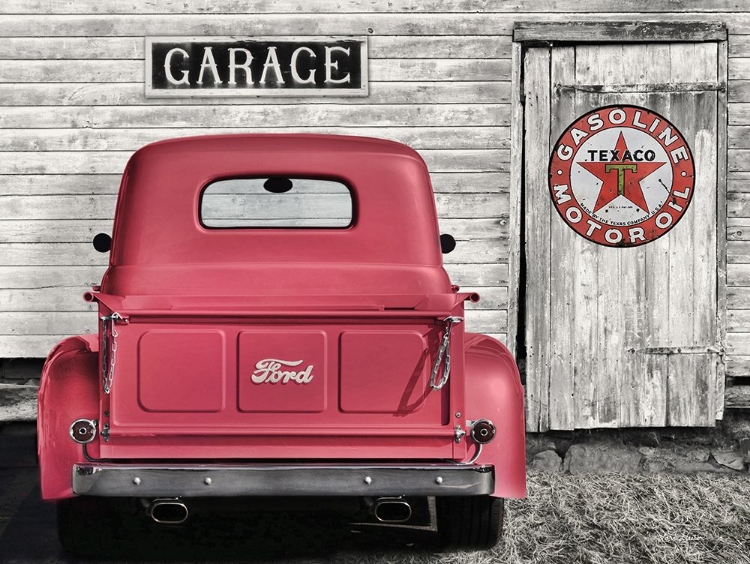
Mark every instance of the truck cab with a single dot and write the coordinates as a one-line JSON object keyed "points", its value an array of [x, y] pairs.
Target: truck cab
{"points": [[276, 321]]}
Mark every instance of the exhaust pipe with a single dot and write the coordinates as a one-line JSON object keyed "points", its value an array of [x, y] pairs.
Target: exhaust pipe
{"points": [[392, 510], [168, 511]]}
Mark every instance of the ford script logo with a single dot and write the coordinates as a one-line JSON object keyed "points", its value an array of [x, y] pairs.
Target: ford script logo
{"points": [[269, 371]]}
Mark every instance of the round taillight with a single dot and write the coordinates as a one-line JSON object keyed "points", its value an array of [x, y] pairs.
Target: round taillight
{"points": [[482, 431], [83, 431]]}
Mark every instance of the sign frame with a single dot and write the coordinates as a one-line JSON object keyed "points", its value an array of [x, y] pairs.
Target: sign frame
{"points": [[151, 92], [565, 195]]}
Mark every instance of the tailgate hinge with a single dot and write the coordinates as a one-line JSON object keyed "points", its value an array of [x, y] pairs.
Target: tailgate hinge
{"points": [[109, 347], [444, 353]]}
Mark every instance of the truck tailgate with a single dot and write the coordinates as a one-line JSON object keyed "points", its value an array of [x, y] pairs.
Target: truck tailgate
{"points": [[232, 383]]}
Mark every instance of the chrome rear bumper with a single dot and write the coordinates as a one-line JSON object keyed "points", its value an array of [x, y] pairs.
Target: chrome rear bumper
{"points": [[281, 480]]}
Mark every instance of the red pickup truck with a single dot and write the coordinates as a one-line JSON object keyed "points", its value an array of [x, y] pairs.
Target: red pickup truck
{"points": [[276, 321]]}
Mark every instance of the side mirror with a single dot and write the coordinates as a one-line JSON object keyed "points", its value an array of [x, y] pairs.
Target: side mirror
{"points": [[447, 243], [102, 242]]}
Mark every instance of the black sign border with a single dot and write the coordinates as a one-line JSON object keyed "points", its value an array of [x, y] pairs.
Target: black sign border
{"points": [[151, 92]]}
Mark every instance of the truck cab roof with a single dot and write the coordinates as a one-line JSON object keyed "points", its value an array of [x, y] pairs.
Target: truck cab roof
{"points": [[161, 246]]}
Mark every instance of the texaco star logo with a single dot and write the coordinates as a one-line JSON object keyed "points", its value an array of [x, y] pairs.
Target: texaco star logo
{"points": [[621, 176]]}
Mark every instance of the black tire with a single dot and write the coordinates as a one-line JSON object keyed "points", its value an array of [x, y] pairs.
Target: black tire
{"points": [[88, 526], [470, 522]]}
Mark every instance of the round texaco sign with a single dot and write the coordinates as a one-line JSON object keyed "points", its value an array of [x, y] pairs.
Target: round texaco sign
{"points": [[621, 176]]}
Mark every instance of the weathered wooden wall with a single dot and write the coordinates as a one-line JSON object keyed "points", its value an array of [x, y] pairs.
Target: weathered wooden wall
{"points": [[72, 110]]}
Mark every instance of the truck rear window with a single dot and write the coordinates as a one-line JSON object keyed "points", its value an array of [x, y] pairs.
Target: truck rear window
{"points": [[276, 202]]}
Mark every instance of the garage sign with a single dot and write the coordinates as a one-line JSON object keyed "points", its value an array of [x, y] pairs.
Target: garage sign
{"points": [[256, 66], [621, 176]]}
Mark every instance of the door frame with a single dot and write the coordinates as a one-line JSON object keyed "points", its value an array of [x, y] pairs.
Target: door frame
{"points": [[530, 34]]}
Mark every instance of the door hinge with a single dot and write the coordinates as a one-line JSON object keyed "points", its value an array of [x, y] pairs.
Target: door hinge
{"points": [[680, 350], [645, 88]]}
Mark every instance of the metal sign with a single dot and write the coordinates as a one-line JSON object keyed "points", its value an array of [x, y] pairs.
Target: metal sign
{"points": [[621, 176], [256, 66]]}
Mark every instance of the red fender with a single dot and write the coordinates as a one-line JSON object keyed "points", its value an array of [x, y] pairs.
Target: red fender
{"points": [[69, 390], [494, 392]]}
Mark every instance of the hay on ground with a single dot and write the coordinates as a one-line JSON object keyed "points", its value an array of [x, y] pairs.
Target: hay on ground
{"points": [[614, 519]]}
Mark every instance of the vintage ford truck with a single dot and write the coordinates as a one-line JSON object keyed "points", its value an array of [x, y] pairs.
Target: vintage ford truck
{"points": [[276, 321]]}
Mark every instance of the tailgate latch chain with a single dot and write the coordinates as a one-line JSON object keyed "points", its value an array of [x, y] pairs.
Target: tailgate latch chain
{"points": [[444, 352], [109, 348]]}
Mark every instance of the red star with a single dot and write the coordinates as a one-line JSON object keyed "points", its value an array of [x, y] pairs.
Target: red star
{"points": [[621, 177]]}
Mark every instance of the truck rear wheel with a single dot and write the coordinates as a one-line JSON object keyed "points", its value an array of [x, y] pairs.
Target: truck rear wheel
{"points": [[87, 526], [474, 522]]}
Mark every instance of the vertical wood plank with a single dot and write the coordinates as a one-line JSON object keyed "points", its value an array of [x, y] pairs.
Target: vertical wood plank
{"points": [[644, 377], [656, 331], [564, 248], [705, 276], [692, 319], [586, 357], [655, 383], [516, 192], [631, 267], [721, 229], [602, 64], [613, 294], [537, 216], [682, 368]]}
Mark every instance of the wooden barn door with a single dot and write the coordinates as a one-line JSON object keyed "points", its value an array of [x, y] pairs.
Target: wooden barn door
{"points": [[621, 336]]}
